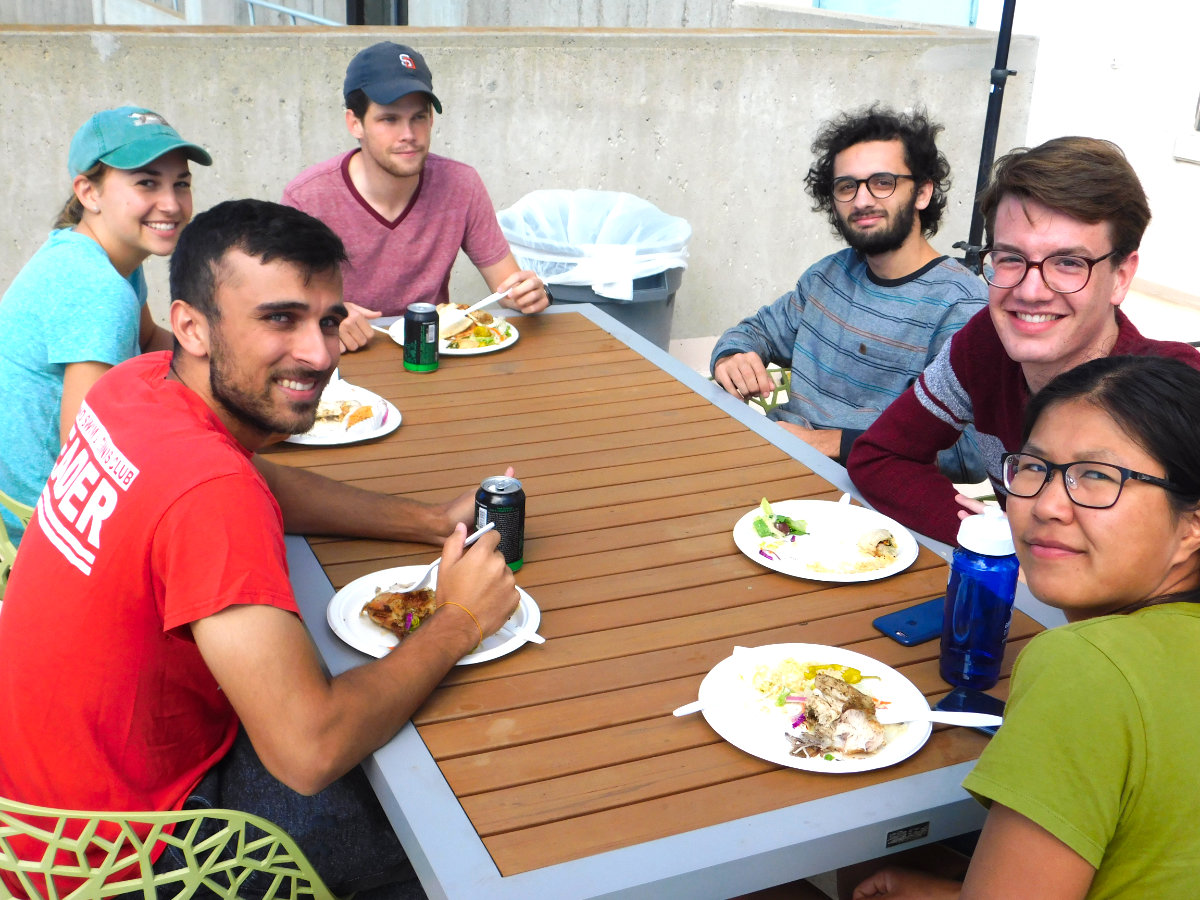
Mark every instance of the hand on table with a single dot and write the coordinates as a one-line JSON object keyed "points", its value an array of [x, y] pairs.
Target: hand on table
{"points": [[526, 292], [907, 884], [743, 375], [355, 330], [478, 580], [462, 508], [824, 440]]}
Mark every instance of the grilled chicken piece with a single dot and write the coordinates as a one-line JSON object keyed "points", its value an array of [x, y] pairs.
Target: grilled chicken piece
{"points": [[830, 697], [858, 733]]}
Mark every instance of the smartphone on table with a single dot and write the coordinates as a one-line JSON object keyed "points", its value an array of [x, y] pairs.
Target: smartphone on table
{"points": [[914, 624], [963, 699]]}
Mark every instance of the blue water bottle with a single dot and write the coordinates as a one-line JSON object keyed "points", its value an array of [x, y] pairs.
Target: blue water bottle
{"points": [[979, 599]]}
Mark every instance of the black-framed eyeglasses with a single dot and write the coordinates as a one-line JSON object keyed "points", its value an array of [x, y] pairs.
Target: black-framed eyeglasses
{"points": [[1062, 274], [881, 185], [1096, 485]]}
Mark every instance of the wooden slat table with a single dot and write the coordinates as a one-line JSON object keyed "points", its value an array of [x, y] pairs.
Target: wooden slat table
{"points": [[558, 770]]}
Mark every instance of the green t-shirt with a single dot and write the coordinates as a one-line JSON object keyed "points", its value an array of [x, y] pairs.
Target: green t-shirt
{"points": [[1101, 747]]}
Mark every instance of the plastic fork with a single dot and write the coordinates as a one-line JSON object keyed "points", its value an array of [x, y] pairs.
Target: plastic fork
{"points": [[451, 317], [432, 567]]}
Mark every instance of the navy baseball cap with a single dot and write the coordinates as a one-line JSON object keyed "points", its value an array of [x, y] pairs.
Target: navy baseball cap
{"points": [[385, 72], [127, 138]]}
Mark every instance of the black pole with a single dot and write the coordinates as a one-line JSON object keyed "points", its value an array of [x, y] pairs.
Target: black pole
{"points": [[991, 125]]}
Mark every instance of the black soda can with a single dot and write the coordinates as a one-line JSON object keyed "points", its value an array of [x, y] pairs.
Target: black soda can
{"points": [[421, 337], [501, 499]]}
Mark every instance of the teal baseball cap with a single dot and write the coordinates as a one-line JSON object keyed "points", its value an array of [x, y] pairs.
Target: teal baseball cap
{"points": [[127, 138]]}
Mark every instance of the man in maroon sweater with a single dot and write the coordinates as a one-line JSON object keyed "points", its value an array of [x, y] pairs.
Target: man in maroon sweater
{"points": [[1064, 222]]}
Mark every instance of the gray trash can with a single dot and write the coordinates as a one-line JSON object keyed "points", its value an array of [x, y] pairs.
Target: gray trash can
{"points": [[648, 311], [604, 247]]}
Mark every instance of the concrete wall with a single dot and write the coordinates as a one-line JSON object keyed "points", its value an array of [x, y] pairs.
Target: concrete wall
{"points": [[162, 12], [39, 12], [636, 14], [713, 126]]}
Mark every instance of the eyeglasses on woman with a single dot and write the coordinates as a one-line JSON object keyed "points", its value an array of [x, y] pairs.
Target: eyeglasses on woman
{"points": [[1095, 485]]}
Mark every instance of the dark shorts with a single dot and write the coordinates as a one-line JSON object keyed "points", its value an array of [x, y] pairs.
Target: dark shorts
{"points": [[342, 830]]}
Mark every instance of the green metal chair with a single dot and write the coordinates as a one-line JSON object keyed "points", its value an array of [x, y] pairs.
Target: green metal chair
{"points": [[252, 844], [783, 381], [8, 550]]}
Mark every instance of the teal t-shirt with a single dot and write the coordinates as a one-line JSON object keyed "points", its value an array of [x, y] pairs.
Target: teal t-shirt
{"points": [[1099, 746], [68, 304]]}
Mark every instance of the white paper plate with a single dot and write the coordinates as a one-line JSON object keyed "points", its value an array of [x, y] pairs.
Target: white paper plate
{"points": [[736, 711], [345, 617], [834, 531], [396, 330], [333, 434]]}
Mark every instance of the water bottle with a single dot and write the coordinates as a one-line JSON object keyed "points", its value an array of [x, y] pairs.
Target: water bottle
{"points": [[979, 599]]}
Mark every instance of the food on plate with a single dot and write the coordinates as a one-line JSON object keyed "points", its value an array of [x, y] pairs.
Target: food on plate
{"points": [[400, 611], [828, 550], [480, 336], [449, 325], [333, 410], [479, 329], [343, 407], [359, 414], [771, 524], [342, 413], [880, 543], [827, 715]]}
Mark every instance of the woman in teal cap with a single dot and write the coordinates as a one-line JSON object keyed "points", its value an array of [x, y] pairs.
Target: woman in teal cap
{"points": [[78, 307]]}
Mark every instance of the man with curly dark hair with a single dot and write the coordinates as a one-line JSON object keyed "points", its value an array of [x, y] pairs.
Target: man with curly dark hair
{"points": [[862, 323]]}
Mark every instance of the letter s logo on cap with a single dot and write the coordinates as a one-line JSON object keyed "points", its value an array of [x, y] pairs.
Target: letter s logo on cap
{"points": [[407, 61], [148, 118]]}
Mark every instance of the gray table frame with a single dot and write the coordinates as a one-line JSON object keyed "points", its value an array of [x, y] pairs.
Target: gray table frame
{"points": [[715, 862]]}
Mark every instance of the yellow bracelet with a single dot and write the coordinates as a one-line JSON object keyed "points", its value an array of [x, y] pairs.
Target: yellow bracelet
{"points": [[469, 613]]}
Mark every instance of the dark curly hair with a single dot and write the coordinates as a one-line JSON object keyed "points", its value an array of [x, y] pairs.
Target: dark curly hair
{"points": [[921, 155]]}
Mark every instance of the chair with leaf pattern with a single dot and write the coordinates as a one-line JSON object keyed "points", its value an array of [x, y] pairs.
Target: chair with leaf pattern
{"points": [[218, 860], [783, 381]]}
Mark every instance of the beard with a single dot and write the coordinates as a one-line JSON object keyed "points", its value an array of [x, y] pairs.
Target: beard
{"points": [[385, 161], [881, 240], [257, 410]]}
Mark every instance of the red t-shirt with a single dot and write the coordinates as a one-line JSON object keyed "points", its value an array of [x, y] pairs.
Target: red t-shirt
{"points": [[394, 264], [152, 518]]}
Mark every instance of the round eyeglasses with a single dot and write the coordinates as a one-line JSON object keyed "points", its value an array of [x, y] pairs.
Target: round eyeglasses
{"points": [[1062, 274], [881, 185], [1095, 485]]}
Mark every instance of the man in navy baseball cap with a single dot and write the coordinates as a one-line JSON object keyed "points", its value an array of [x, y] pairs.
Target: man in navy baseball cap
{"points": [[385, 72], [402, 212]]}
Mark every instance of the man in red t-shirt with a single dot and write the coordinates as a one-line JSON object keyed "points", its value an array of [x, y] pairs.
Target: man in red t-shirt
{"points": [[1065, 220], [403, 212], [150, 612]]}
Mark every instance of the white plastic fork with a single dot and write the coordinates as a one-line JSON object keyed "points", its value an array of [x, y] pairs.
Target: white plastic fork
{"points": [[938, 716], [432, 567], [450, 317]]}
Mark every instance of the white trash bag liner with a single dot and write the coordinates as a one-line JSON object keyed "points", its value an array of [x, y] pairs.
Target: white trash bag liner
{"points": [[602, 239]]}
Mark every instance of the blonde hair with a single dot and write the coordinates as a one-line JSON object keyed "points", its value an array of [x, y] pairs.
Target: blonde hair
{"points": [[72, 212]]}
